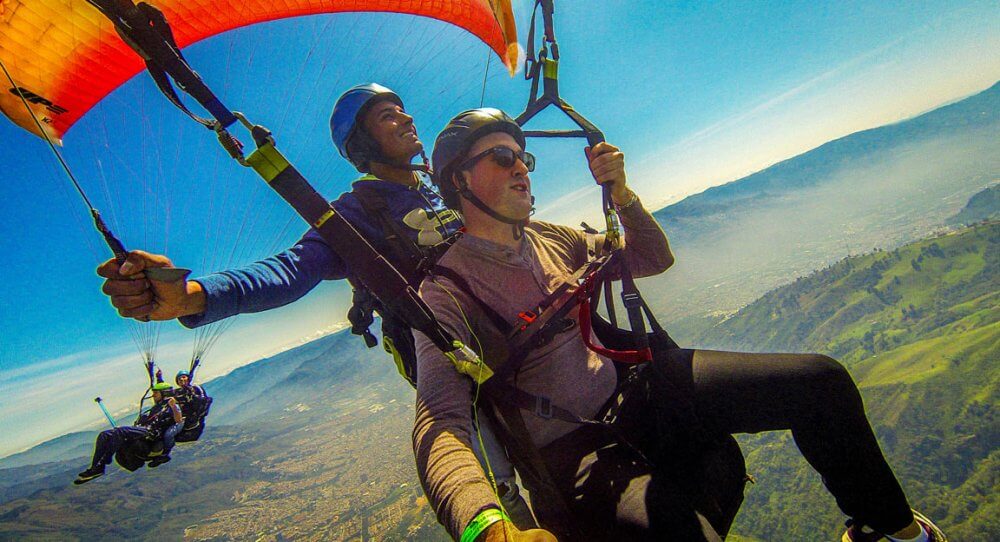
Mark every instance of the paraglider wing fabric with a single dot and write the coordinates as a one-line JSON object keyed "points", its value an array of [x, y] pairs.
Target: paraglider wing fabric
{"points": [[65, 56]]}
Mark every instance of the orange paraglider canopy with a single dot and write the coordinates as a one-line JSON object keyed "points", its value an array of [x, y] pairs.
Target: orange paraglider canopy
{"points": [[64, 56]]}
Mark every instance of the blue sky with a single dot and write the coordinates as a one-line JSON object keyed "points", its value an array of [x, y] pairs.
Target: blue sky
{"points": [[696, 94]]}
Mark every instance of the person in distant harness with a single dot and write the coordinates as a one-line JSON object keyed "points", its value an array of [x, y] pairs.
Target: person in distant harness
{"points": [[605, 479], [194, 403], [403, 218], [162, 422]]}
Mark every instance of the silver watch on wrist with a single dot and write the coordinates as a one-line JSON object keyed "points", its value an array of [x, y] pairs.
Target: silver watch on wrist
{"points": [[631, 201]]}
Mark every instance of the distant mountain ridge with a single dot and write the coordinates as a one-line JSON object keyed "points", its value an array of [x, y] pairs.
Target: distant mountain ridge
{"points": [[979, 111], [62, 447], [881, 187]]}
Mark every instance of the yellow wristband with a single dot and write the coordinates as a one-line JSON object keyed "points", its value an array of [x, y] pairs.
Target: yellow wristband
{"points": [[481, 522]]}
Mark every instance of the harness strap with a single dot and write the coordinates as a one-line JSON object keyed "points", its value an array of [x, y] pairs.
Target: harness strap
{"points": [[538, 405], [623, 356], [398, 240], [159, 23], [532, 66], [635, 306], [538, 325], [406, 255], [509, 424], [500, 322], [633, 303], [609, 302], [641, 305], [551, 319], [143, 28]]}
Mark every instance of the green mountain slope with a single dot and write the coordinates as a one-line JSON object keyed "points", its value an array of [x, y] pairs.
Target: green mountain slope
{"points": [[919, 328], [863, 306], [984, 205]]}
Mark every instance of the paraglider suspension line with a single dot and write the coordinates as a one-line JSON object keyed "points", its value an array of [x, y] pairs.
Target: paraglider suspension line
{"points": [[486, 73], [109, 238], [48, 140]]}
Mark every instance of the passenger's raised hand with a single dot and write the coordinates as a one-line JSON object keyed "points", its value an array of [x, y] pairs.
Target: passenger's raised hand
{"points": [[607, 165]]}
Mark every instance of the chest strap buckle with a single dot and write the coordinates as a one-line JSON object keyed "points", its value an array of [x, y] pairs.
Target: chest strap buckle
{"points": [[528, 317]]}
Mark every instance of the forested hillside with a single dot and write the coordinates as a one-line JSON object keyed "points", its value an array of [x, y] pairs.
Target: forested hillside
{"points": [[983, 205], [919, 328]]}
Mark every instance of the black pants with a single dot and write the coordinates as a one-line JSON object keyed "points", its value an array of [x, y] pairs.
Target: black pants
{"points": [[112, 440], [612, 490]]}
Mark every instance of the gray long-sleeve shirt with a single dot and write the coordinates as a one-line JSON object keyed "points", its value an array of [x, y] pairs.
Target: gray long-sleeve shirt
{"points": [[564, 370]]}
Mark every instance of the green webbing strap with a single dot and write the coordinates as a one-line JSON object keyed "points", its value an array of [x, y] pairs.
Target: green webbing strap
{"points": [[268, 162], [551, 70], [390, 347], [470, 365]]}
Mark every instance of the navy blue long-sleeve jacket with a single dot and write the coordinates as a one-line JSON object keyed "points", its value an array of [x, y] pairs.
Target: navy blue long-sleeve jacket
{"points": [[285, 277]]}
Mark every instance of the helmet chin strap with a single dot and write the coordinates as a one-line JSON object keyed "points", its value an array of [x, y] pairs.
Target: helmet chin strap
{"points": [[423, 167], [518, 224]]}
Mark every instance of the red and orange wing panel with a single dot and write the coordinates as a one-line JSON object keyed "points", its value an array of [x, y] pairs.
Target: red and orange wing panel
{"points": [[64, 56]]}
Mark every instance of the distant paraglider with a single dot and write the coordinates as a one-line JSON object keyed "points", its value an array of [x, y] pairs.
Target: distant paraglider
{"points": [[177, 415], [150, 439]]}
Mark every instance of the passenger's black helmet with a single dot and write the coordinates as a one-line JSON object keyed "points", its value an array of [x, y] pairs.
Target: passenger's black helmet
{"points": [[454, 142]]}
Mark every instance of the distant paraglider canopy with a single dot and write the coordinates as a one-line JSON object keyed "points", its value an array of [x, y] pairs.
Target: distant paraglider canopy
{"points": [[64, 57]]}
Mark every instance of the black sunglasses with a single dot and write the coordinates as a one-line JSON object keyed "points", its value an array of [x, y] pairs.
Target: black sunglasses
{"points": [[503, 157]]}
